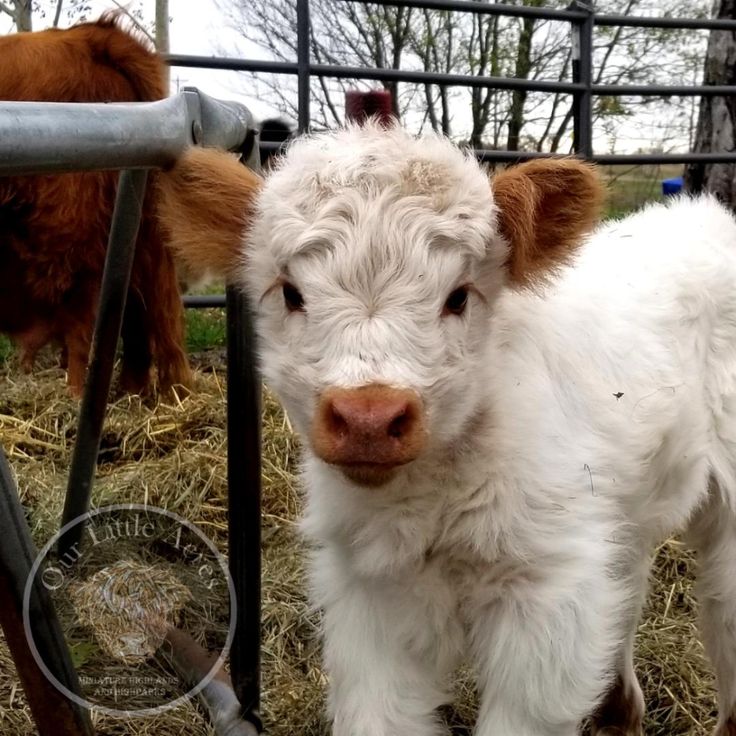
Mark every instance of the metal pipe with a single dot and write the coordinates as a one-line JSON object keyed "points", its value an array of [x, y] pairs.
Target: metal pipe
{"points": [[232, 64], [665, 158], [48, 137], [398, 75], [641, 21], [390, 75], [582, 73], [244, 494], [448, 80], [192, 664], [53, 713], [45, 137], [303, 65], [206, 301], [616, 159], [661, 90], [472, 6], [523, 11], [113, 293]]}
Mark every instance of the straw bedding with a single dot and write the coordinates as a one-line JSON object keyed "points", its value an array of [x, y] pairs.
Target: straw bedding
{"points": [[173, 455]]}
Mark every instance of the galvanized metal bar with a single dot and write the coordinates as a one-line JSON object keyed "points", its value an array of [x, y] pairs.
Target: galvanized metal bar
{"points": [[232, 64], [642, 21], [302, 35], [662, 90], [473, 6], [206, 301], [664, 158], [48, 137], [522, 11], [45, 137], [448, 80], [582, 73], [244, 493], [53, 713], [616, 159], [216, 123], [389, 75], [192, 664], [113, 293]]}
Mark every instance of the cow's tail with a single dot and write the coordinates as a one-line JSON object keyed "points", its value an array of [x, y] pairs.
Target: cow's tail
{"points": [[205, 206]]}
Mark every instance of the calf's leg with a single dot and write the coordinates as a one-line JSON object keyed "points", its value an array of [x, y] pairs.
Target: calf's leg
{"points": [[621, 712], [384, 652], [135, 374], [545, 638], [163, 314], [713, 534]]}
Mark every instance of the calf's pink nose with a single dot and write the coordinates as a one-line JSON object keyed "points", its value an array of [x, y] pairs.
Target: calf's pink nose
{"points": [[368, 431]]}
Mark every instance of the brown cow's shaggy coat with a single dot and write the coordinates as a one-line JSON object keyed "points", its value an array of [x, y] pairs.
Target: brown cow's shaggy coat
{"points": [[53, 229]]}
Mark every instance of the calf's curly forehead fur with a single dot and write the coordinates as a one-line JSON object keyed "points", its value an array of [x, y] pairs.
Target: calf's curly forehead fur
{"points": [[334, 180]]}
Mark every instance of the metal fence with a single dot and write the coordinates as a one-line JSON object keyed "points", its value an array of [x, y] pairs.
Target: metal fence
{"points": [[168, 128], [582, 19], [37, 137]]}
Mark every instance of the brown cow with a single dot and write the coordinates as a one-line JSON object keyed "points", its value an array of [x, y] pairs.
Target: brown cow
{"points": [[53, 229]]}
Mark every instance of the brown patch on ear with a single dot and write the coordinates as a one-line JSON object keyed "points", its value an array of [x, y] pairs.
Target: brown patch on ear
{"points": [[545, 207], [205, 206]]}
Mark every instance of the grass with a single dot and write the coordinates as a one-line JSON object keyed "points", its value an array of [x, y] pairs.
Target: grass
{"points": [[632, 187], [6, 349], [205, 329]]}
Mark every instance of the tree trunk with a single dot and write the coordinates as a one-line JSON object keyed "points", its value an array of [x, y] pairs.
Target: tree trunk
{"points": [[22, 15], [162, 32], [523, 67], [717, 117]]}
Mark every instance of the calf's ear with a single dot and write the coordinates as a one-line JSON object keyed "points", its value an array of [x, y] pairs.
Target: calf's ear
{"points": [[205, 204], [545, 207]]}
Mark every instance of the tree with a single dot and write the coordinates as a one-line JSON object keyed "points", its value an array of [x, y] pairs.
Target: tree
{"points": [[23, 13], [717, 116], [20, 12], [368, 35]]}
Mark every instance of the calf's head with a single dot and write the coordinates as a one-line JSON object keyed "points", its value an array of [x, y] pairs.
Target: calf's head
{"points": [[374, 261]]}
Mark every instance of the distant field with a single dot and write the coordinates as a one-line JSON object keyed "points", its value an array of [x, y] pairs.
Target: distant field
{"points": [[205, 330], [630, 187]]}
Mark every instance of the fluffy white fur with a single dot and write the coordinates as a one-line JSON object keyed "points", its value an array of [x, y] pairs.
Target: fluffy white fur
{"points": [[570, 430]]}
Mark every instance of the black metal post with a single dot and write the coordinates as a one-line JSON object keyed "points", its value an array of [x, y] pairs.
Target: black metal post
{"points": [[582, 72], [302, 53], [113, 293], [54, 714], [244, 492]]}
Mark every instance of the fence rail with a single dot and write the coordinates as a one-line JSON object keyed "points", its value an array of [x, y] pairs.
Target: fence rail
{"points": [[134, 137], [582, 19]]}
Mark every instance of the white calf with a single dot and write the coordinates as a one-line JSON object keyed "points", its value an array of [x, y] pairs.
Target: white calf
{"points": [[502, 418]]}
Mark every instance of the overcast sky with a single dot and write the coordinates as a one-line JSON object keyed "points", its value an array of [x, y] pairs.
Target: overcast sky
{"points": [[197, 27]]}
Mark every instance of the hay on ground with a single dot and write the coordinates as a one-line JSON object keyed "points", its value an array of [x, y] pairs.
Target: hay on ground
{"points": [[173, 456]]}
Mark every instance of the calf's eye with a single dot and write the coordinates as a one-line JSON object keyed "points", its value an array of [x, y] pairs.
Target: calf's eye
{"points": [[292, 298], [457, 301]]}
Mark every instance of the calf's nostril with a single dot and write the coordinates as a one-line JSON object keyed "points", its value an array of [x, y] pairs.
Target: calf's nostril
{"points": [[399, 425], [337, 422]]}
